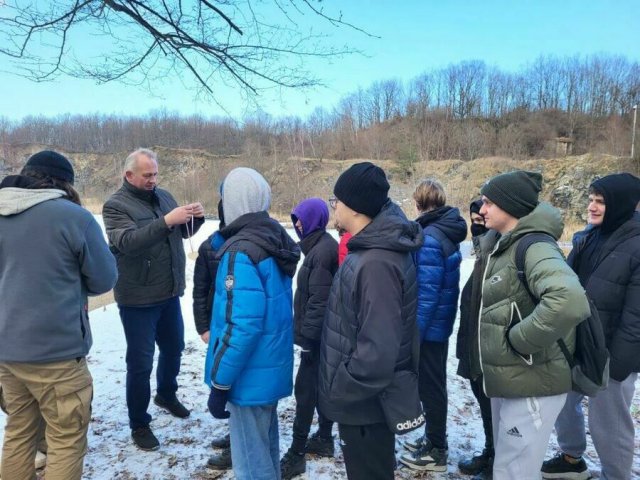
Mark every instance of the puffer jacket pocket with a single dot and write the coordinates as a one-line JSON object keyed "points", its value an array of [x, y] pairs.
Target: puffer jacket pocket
{"points": [[514, 318]]}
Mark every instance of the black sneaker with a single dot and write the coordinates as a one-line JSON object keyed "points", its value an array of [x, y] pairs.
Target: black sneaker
{"points": [[144, 439], [221, 442], [427, 458], [174, 407], [413, 445], [317, 445], [292, 465], [478, 463], [559, 467], [220, 461]]}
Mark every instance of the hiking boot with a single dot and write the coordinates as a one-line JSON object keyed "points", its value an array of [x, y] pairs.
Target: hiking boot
{"points": [[560, 467], [221, 442], [174, 407], [478, 463], [144, 439], [413, 445], [292, 464], [426, 458], [317, 445], [220, 461]]}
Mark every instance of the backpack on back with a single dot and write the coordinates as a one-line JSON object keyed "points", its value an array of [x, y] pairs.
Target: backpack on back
{"points": [[590, 361]]}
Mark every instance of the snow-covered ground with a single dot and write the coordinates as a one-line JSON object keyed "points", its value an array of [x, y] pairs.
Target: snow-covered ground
{"points": [[185, 443]]}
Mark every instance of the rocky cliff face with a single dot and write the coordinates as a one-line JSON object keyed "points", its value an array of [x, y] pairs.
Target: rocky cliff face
{"points": [[196, 175]]}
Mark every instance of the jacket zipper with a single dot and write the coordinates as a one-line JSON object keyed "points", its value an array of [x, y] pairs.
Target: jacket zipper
{"points": [[484, 275]]}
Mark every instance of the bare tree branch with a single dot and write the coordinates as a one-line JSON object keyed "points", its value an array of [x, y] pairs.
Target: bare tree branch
{"points": [[202, 42]]}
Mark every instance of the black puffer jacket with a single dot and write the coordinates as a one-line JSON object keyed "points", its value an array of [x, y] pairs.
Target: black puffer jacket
{"points": [[470, 298], [150, 255], [204, 276], [313, 285], [614, 287], [370, 327]]}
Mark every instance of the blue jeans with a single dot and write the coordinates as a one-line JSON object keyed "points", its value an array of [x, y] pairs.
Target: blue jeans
{"points": [[255, 444], [143, 328]]}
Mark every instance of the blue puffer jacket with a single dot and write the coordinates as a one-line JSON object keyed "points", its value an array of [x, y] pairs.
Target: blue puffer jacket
{"points": [[251, 345], [438, 264]]}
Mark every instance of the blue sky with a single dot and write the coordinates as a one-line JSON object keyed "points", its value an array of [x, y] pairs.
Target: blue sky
{"points": [[415, 36]]}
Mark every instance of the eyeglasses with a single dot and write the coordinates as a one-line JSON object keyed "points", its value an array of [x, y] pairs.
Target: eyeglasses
{"points": [[333, 202]]}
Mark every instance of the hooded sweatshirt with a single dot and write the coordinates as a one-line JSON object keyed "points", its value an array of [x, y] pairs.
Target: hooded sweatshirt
{"points": [[52, 255], [607, 260], [370, 327], [316, 273], [251, 344]]}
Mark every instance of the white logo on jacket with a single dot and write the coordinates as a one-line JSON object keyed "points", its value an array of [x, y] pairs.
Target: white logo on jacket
{"points": [[228, 282]]}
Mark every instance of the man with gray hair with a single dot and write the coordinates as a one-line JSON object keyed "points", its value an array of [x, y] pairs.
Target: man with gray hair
{"points": [[145, 227]]}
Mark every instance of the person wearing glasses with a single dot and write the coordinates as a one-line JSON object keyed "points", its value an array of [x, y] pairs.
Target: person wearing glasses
{"points": [[145, 227]]}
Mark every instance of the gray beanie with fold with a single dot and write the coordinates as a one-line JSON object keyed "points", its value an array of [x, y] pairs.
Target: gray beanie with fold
{"points": [[244, 191]]}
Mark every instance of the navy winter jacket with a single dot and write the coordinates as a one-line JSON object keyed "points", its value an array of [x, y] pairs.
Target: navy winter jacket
{"points": [[438, 262], [251, 344]]}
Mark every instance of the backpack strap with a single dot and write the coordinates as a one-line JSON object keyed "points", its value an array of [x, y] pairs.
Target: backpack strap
{"points": [[521, 252]]}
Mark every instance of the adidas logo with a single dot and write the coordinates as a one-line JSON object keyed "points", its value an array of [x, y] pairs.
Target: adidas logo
{"points": [[514, 432], [415, 423]]}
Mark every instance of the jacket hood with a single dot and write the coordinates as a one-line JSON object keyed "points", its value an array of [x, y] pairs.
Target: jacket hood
{"points": [[15, 199], [244, 191], [447, 220], [389, 230], [268, 234], [313, 214], [621, 193], [544, 219]]}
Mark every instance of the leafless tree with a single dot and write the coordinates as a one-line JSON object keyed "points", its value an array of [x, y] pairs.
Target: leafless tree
{"points": [[251, 44]]}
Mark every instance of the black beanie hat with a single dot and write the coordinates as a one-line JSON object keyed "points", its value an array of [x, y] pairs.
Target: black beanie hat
{"points": [[363, 187], [621, 193], [51, 164], [514, 192], [475, 206]]}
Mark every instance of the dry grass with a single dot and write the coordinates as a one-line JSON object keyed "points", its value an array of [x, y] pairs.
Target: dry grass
{"points": [[101, 300]]}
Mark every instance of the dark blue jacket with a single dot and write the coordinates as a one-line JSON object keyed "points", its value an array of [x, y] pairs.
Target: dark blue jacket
{"points": [[251, 345], [438, 262]]}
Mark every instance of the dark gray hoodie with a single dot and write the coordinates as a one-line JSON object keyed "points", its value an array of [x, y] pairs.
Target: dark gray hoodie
{"points": [[52, 255]]}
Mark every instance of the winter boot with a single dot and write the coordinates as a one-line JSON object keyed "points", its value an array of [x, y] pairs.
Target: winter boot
{"points": [[478, 463], [221, 442], [144, 439], [220, 461], [174, 407], [317, 445], [560, 467], [292, 464]]}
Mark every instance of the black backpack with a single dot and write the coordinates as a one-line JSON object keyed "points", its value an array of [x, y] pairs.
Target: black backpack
{"points": [[590, 362]]}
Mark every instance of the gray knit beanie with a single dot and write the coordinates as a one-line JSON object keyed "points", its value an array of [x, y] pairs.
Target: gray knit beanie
{"points": [[244, 191], [514, 192]]}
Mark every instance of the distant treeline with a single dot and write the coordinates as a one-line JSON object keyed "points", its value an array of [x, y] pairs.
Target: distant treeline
{"points": [[466, 110]]}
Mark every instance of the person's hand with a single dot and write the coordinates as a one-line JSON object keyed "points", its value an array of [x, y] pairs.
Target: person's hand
{"points": [[205, 336], [217, 403], [197, 210], [179, 216]]}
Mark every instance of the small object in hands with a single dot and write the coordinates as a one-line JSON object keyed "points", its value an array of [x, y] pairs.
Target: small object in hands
{"points": [[217, 403]]}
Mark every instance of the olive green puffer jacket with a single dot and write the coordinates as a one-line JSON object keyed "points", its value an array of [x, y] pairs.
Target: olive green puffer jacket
{"points": [[529, 363]]}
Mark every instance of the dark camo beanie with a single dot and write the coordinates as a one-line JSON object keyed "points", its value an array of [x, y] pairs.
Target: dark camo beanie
{"points": [[51, 164], [514, 192], [363, 187]]}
